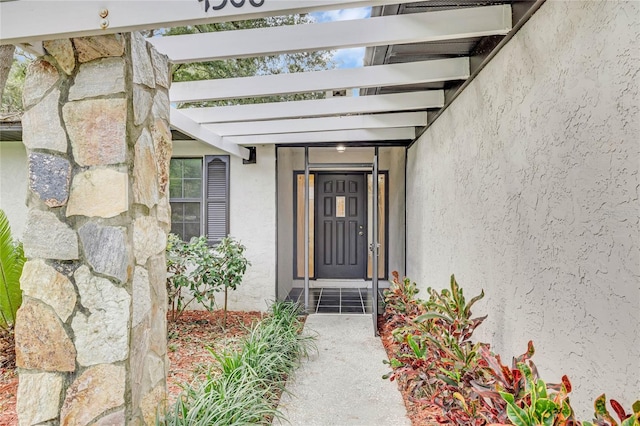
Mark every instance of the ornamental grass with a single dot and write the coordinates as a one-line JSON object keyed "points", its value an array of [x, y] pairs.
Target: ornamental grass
{"points": [[250, 380]]}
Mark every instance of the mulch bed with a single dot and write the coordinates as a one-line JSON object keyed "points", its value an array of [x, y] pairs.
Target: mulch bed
{"points": [[187, 346], [8, 391], [190, 337], [189, 359], [8, 380], [421, 413]]}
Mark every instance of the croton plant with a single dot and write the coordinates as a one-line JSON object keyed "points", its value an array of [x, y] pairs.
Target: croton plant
{"points": [[438, 363]]}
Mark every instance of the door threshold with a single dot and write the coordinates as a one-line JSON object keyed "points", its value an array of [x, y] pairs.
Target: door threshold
{"points": [[345, 283], [338, 283]]}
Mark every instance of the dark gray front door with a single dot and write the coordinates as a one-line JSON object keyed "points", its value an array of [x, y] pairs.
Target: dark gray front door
{"points": [[340, 228]]}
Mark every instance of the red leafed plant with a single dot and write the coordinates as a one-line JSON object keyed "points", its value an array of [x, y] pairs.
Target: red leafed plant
{"points": [[604, 418], [436, 362]]}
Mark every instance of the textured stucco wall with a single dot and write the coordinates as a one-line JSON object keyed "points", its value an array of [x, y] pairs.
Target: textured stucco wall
{"points": [[13, 184], [527, 186], [252, 212]]}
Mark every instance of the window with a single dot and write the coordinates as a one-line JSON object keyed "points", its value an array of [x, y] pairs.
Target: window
{"points": [[199, 196], [185, 192]]}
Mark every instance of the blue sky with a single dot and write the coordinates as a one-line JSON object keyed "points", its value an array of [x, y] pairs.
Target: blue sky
{"points": [[345, 58]]}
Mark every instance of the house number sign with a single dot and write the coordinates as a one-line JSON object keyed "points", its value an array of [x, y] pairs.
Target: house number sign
{"points": [[234, 3]]}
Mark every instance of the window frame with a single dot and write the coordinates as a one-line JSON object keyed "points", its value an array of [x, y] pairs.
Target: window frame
{"points": [[190, 200], [204, 199]]}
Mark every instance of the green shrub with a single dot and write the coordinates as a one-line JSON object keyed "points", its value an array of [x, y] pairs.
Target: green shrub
{"points": [[11, 263], [202, 271], [229, 267]]}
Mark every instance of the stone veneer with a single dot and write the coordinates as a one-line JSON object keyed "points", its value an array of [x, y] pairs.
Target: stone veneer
{"points": [[91, 333]]}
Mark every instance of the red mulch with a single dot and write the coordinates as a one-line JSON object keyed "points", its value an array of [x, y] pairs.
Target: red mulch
{"points": [[419, 412], [189, 338], [187, 348], [8, 392]]}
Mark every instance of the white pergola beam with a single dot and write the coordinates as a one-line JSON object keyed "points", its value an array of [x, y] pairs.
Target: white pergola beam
{"points": [[189, 127], [373, 76], [318, 107], [320, 124], [28, 21], [386, 30], [346, 136]]}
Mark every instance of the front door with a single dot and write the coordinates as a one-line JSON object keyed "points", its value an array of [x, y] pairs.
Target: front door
{"points": [[340, 228]]}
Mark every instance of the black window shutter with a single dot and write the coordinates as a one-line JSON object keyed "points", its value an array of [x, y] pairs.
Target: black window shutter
{"points": [[217, 198]]}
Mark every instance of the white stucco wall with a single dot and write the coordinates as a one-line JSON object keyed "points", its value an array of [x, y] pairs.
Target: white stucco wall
{"points": [[13, 184], [252, 220], [528, 186]]}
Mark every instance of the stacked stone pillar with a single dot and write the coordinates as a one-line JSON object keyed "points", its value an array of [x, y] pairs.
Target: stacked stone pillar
{"points": [[91, 332]]}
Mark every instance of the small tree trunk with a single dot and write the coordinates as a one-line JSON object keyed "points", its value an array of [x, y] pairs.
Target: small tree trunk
{"points": [[6, 60], [225, 307]]}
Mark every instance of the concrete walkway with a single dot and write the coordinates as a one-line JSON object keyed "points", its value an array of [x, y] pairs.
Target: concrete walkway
{"points": [[341, 384]]}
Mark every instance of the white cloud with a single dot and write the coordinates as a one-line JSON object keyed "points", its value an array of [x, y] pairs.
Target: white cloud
{"points": [[345, 58], [349, 58], [342, 15]]}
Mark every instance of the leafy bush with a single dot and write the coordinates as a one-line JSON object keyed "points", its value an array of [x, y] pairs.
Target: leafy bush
{"points": [[537, 405], [604, 418], [188, 264], [229, 267], [437, 362], [252, 378], [400, 298], [11, 263], [435, 350], [202, 271], [448, 310]]}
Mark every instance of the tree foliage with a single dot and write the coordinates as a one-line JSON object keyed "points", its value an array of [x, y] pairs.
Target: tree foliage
{"points": [[229, 68], [246, 67], [12, 93]]}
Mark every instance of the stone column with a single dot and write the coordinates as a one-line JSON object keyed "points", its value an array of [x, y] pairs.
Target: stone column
{"points": [[91, 332]]}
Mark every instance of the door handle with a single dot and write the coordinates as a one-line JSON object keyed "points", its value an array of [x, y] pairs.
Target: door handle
{"points": [[361, 233]]}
